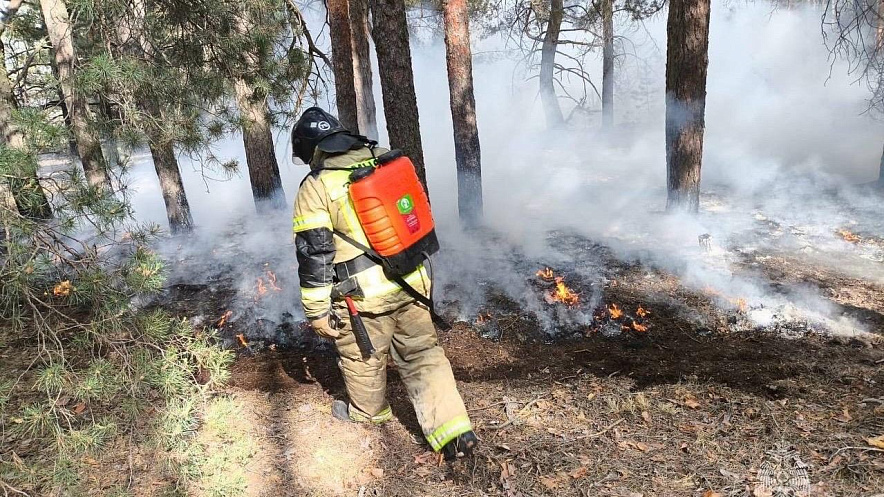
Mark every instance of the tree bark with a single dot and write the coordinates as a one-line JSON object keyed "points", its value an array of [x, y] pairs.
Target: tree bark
{"points": [[397, 80], [879, 29], [27, 195], [687, 59], [342, 58], [166, 164], [58, 25], [608, 64], [463, 111], [257, 137], [362, 77], [548, 96]]}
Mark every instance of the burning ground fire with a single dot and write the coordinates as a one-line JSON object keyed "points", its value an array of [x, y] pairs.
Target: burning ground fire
{"points": [[615, 314], [261, 288], [223, 319], [561, 292], [612, 315], [848, 236]]}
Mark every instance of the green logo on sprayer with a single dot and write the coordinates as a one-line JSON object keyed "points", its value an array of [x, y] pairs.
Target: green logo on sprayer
{"points": [[405, 204]]}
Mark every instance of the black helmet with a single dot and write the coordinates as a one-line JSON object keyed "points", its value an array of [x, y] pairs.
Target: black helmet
{"points": [[318, 128]]}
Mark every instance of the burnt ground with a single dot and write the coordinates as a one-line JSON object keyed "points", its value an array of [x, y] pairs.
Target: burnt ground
{"points": [[702, 403]]}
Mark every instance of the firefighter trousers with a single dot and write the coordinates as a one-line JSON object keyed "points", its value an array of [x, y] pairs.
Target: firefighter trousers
{"points": [[409, 336]]}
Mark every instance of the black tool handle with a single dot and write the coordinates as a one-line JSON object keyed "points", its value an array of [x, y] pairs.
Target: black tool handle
{"points": [[359, 330]]}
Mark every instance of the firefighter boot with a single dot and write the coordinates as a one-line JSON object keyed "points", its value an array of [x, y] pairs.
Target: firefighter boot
{"points": [[462, 446], [341, 411]]}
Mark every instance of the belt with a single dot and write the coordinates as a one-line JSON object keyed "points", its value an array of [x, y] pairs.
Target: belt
{"points": [[346, 270]]}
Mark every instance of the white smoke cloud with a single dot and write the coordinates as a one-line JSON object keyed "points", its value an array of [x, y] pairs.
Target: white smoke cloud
{"points": [[786, 137]]}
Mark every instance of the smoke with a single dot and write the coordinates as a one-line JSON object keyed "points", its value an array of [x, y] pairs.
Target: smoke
{"points": [[786, 140]]}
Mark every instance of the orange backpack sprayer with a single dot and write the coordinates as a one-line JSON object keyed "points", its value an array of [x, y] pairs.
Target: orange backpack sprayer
{"points": [[394, 212]]}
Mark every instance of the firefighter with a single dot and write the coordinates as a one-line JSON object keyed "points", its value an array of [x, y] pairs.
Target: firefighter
{"points": [[330, 267]]}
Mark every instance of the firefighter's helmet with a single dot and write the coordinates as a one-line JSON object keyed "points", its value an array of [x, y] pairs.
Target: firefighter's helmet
{"points": [[318, 128]]}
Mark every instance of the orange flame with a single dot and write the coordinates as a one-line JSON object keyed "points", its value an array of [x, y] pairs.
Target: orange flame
{"points": [[224, 317], [615, 312], [483, 318], [564, 294], [262, 288], [642, 312], [741, 304], [639, 327], [546, 274], [271, 278], [242, 340], [848, 236], [63, 289]]}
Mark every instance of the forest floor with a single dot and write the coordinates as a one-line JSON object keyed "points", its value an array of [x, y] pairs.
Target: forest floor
{"points": [[701, 403]]}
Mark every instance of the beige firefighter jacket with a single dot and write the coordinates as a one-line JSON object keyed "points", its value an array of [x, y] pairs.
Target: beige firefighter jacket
{"points": [[322, 206]]}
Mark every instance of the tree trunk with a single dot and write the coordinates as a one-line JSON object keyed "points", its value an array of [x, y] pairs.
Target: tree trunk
{"points": [[55, 15], [362, 77], [166, 164], [342, 58], [257, 137], [548, 96], [162, 149], [879, 31], [397, 80], [463, 111], [608, 63], [26, 193], [881, 171], [687, 58]]}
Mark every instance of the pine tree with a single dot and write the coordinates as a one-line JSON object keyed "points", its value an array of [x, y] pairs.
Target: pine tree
{"points": [[342, 57], [397, 80], [249, 53], [162, 151], [463, 110], [687, 59], [257, 138], [132, 38], [60, 29], [548, 96], [362, 75], [23, 184], [607, 63]]}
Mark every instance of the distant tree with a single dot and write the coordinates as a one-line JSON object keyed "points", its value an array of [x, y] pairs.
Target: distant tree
{"points": [[551, 106], [565, 34], [463, 110], [60, 29], [687, 59], [607, 7], [397, 80], [362, 75], [854, 31], [342, 57]]}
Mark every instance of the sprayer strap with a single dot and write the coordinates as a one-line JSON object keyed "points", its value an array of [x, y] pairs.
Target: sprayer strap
{"points": [[399, 280]]}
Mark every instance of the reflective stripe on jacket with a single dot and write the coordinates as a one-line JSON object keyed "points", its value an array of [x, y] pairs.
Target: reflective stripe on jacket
{"points": [[323, 205]]}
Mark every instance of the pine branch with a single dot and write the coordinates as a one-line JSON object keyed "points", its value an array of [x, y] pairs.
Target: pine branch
{"points": [[302, 24]]}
